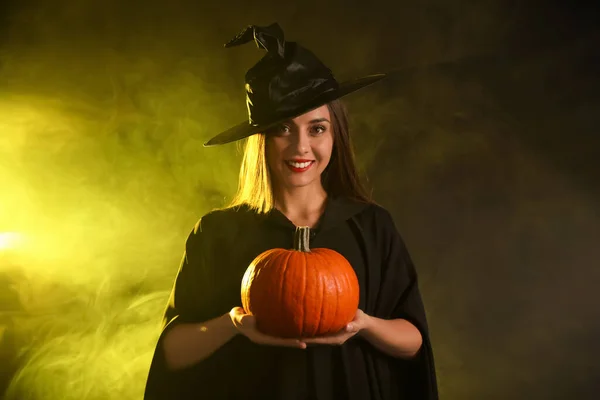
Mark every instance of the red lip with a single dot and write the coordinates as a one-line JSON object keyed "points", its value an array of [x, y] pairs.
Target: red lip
{"points": [[294, 169], [299, 160]]}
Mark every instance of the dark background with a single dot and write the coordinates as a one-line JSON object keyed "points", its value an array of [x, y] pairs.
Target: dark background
{"points": [[484, 144]]}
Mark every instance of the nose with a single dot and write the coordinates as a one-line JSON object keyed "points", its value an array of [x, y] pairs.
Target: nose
{"points": [[302, 142]]}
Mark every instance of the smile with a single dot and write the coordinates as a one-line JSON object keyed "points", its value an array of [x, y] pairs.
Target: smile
{"points": [[299, 166]]}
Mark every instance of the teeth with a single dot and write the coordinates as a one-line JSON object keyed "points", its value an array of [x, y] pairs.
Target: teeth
{"points": [[299, 165]]}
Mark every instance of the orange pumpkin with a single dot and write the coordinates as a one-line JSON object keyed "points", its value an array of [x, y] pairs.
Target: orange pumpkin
{"points": [[300, 292]]}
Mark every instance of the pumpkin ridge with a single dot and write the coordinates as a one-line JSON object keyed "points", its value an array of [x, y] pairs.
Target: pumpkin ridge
{"points": [[337, 301], [262, 265], [270, 285], [304, 297], [323, 263], [250, 276], [347, 284], [352, 282], [322, 319], [246, 286], [283, 305]]}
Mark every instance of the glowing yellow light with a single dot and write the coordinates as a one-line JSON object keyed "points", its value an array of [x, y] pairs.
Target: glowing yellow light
{"points": [[10, 240]]}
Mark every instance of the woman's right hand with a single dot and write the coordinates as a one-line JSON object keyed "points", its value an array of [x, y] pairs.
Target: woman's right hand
{"points": [[246, 325]]}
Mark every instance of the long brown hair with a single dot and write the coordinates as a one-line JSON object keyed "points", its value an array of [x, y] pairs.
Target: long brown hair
{"points": [[340, 178]]}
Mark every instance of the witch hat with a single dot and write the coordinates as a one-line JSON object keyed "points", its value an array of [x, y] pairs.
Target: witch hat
{"points": [[288, 81]]}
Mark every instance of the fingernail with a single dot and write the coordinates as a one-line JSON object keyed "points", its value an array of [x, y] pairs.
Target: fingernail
{"points": [[349, 327]]}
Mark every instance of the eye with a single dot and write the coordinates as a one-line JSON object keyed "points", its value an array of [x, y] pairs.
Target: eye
{"points": [[280, 130], [319, 129]]}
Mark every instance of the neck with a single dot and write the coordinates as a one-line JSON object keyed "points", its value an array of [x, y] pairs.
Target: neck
{"points": [[302, 202]]}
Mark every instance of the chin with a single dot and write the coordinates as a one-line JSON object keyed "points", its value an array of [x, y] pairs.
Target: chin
{"points": [[302, 182], [297, 184]]}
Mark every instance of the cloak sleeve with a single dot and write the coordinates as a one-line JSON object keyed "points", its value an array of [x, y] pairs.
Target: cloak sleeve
{"points": [[399, 297], [190, 302]]}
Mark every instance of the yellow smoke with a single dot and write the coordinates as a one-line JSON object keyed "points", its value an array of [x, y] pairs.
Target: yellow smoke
{"points": [[97, 196]]}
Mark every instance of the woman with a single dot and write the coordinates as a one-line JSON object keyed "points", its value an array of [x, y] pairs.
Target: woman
{"points": [[298, 170]]}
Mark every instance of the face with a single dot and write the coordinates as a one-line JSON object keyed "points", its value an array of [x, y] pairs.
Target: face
{"points": [[299, 150]]}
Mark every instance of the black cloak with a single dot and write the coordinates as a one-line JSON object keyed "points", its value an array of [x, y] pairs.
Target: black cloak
{"points": [[217, 253]]}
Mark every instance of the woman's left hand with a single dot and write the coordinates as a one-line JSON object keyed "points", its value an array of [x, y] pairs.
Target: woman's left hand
{"points": [[359, 323]]}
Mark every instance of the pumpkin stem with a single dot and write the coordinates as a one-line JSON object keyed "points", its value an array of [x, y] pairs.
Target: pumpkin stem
{"points": [[302, 238]]}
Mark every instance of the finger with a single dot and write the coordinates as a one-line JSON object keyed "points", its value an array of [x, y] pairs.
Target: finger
{"points": [[282, 343], [273, 341], [247, 320], [325, 340], [332, 342], [319, 340], [237, 310]]}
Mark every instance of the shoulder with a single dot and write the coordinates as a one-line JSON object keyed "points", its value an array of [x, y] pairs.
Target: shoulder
{"points": [[378, 227], [377, 215], [222, 220]]}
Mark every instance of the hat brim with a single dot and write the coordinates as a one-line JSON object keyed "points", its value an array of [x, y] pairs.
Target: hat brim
{"points": [[245, 129]]}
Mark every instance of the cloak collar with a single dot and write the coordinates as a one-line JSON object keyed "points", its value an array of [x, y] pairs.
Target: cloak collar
{"points": [[337, 211]]}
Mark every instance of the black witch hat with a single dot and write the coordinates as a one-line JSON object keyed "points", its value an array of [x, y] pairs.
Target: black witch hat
{"points": [[288, 81]]}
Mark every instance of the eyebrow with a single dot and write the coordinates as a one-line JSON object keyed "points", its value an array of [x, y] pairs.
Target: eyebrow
{"points": [[312, 121]]}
